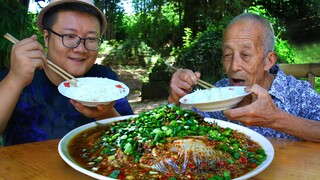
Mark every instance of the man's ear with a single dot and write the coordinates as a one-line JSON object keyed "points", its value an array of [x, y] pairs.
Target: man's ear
{"points": [[45, 37], [270, 61]]}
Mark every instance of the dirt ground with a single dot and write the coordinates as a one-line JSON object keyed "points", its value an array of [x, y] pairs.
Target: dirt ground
{"points": [[132, 78]]}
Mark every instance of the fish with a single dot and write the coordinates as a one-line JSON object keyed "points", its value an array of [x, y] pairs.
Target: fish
{"points": [[196, 154]]}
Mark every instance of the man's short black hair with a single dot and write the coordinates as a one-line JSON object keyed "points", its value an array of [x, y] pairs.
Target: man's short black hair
{"points": [[50, 16]]}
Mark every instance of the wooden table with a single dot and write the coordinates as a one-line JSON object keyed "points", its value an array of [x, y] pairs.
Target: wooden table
{"points": [[292, 160]]}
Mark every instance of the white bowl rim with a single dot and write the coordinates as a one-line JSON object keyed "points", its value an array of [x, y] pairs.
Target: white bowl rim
{"points": [[217, 101], [61, 89]]}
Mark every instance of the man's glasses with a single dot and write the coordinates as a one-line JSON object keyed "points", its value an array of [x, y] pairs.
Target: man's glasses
{"points": [[73, 41]]}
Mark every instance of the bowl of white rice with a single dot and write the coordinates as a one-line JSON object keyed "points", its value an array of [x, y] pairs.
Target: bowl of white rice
{"points": [[215, 99], [94, 91]]}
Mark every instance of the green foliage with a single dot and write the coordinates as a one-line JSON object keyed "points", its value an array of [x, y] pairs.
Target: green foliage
{"points": [[160, 66], [156, 26], [277, 25], [19, 23], [317, 84], [124, 51], [308, 53], [16, 23], [187, 39], [203, 53], [291, 9], [113, 14], [286, 53], [170, 12], [159, 71], [132, 30], [200, 14]]}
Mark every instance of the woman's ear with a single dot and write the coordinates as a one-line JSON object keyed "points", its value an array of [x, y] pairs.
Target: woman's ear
{"points": [[270, 61], [45, 37]]}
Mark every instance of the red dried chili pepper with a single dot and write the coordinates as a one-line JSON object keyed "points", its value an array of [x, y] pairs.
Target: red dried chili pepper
{"points": [[191, 166], [204, 164], [253, 165], [66, 84], [121, 177], [119, 86], [243, 160]]}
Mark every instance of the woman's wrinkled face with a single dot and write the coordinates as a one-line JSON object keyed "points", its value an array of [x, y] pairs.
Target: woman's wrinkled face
{"points": [[77, 61], [242, 53]]}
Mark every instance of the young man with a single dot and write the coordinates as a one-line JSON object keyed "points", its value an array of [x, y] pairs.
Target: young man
{"points": [[32, 109], [279, 105]]}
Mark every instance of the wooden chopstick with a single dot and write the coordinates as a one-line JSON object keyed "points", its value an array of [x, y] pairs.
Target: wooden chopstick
{"points": [[51, 65], [201, 83], [204, 85]]}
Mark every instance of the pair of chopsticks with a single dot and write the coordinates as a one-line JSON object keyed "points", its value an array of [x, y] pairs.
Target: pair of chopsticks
{"points": [[51, 65], [201, 83]]}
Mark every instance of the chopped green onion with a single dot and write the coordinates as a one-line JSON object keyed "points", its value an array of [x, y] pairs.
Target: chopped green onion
{"points": [[115, 174]]}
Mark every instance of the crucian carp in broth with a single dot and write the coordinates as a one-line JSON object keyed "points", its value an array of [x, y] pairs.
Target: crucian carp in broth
{"points": [[166, 143]]}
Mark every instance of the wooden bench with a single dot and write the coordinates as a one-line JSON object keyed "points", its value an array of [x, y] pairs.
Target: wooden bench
{"points": [[309, 71]]}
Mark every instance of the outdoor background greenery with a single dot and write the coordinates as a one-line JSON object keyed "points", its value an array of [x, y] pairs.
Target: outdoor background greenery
{"points": [[185, 32]]}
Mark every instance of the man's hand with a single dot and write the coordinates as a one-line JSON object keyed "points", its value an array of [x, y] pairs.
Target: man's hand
{"points": [[99, 112], [182, 82], [260, 112], [26, 55]]}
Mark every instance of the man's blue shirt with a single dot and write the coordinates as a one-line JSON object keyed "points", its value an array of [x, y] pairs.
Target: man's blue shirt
{"points": [[42, 113], [294, 96]]}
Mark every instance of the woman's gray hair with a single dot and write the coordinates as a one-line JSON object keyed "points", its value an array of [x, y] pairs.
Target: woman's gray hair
{"points": [[268, 37]]}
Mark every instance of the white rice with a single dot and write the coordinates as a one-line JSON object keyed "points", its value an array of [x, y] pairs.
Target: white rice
{"points": [[214, 94], [95, 90]]}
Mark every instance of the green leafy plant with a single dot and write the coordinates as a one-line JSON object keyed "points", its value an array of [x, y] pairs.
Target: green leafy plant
{"points": [[317, 84], [187, 39], [203, 53], [123, 52], [286, 53], [159, 71], [19, 23], [307, 53]]}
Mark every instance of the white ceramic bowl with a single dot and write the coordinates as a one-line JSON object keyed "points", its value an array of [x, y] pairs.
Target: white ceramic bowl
{"points": [[264, 142], [94, 91], [215, 99]]}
